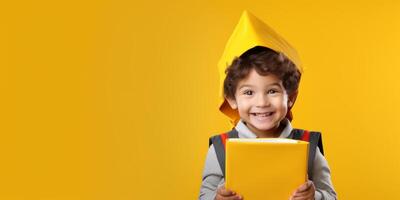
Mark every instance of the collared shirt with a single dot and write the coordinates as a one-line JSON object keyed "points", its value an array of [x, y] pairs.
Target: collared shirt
{"points": [[213, 178], [245, 132]]}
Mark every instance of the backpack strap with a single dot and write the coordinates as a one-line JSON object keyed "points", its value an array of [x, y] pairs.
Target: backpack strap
{"points": [[219, 142], [315, 140]]}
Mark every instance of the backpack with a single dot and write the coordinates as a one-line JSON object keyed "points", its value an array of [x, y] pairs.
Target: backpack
{"points": [[314, 139]]}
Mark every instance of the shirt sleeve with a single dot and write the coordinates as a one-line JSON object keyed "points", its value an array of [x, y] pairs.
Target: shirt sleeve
{"points": [[212, 176], [322, 178]]}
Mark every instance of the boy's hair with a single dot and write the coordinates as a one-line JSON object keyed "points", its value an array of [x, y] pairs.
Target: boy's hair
{"points": [[265, 61]]}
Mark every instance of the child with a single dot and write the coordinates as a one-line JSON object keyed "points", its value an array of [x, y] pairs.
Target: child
{"points": [[259, 90]]}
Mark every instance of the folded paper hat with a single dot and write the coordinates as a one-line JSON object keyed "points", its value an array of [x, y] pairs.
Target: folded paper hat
{"points": [[248, 33]]}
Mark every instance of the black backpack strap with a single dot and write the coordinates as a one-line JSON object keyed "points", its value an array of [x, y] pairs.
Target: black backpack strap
{"points": [[320, 146], [296, 134], [219, 146], [233, 134], [216, 140], [314, 139]]}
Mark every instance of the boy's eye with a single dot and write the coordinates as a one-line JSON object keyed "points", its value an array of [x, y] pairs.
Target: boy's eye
{"points": [[272, 91], [248, 92]]}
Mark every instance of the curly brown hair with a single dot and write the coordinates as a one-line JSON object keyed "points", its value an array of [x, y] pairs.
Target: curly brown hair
{"points": [[265, 61]]}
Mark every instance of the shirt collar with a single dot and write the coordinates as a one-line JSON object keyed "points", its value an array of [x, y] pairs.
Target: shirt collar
{"points": [[245, 132]]}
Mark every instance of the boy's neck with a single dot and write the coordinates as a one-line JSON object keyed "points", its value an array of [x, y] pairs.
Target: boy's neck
{"points": [[270, 134]]}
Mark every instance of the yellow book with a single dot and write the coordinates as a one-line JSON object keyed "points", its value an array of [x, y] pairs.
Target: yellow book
{"points": [[265, 168]]}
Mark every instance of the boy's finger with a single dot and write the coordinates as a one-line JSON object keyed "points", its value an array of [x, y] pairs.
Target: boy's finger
{"points": [[301, 194], [303, 197], [225, 192], [307, 194], [304, 187], [299, 198], [233, 197]]}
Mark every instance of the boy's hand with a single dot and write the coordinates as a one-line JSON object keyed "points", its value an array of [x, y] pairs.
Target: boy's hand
{"points": [[304, 192], [226, 194]]}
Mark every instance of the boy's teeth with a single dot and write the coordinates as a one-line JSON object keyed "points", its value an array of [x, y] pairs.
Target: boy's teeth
{"points": [[263, 114]]}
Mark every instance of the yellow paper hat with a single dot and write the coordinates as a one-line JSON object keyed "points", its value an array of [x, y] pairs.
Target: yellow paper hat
{"points": [[248, 33]]}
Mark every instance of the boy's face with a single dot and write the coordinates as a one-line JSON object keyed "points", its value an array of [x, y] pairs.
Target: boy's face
{"points": [[262, 103]]}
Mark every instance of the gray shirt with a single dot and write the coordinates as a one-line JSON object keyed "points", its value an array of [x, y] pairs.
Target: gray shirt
{"points": [[213, 177]]}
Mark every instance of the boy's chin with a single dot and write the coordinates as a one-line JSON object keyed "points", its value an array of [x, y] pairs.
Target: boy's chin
{"points": [[263, 128]]}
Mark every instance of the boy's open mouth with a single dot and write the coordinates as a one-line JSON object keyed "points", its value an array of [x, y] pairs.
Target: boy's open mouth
{"points": [[266, 114]]}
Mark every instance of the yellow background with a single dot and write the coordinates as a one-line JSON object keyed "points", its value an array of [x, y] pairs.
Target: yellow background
{"points": [[116, 99]]}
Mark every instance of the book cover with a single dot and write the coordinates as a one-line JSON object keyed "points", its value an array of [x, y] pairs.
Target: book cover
{"points": [[265, 168]]}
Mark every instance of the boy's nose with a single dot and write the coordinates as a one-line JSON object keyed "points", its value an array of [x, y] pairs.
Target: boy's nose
{"points": [[262, 101]]}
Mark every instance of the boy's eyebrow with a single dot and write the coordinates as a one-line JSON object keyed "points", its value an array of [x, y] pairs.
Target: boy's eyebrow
{"points": [[246, 85]]}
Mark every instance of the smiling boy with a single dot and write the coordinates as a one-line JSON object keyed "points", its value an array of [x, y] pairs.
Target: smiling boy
{"points": [[260, 87], [262, 103]]}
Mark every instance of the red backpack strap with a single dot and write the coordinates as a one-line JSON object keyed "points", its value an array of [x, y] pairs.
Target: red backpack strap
{"points": [[306, 136], [219, 143], [223, 137]]}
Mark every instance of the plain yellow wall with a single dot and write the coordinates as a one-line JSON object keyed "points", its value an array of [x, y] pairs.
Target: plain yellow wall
{"points": [[116, 99]]}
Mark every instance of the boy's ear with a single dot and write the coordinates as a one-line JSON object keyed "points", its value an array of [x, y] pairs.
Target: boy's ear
{"points": [[232, 102], [292, 98]]}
